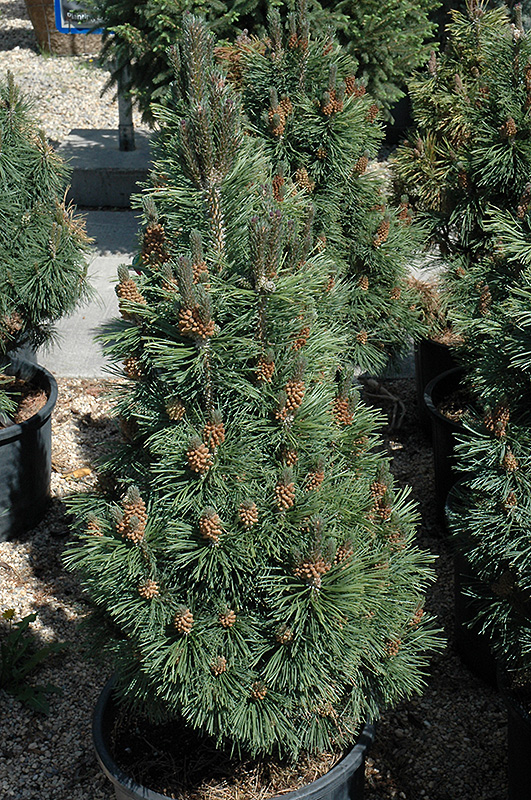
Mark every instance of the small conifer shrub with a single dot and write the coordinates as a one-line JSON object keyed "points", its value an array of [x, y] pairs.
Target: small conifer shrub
{"points": [[256, 567], [43, 245]]}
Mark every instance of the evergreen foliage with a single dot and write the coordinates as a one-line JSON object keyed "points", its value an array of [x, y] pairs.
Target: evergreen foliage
{"points": [[470, 152], [253, 566], [388, 40], [42, 243], [320, 129]]}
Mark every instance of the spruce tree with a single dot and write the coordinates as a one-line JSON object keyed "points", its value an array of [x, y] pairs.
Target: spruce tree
{"points": [[321, 129], [254, 569], [43, 245]]}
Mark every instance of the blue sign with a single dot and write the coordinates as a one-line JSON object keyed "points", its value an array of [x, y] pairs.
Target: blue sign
{"points": [[72, 17]]}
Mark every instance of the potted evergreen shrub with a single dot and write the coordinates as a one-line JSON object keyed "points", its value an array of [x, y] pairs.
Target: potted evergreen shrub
{"points": [[491, 515], [42, 277], [471, 153], [254, 570]]}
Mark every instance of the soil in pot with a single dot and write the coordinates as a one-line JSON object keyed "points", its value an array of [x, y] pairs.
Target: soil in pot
{"points": [[171, 761], [29, 400], [516, 692]]}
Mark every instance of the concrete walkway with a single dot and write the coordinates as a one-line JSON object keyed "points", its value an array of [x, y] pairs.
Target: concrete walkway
{"points": [[75, 353]]}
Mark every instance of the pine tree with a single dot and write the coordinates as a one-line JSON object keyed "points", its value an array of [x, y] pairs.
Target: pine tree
{"points": [[470, 152], [320, 129], [42, 243], [254, 562]]}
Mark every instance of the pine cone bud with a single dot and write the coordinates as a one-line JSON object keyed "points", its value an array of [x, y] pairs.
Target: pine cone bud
{"points": [[128, 290], [343, 552], [363, 283], [372, 113], [396, 293], [199, 270], [382, 232], [301, 338], [295, 391], [362, 337], [311, 570], [175, 409], [284, 634], [278, 188], [183, 620], [343, 411], [214, 432], [153, 245], [148, 590], [132, 524], [198, 455], [314, 480], [350, 85], [285, 492], [210, 525], [191, 323], [393, 647], [132, 368], [277, 120], [289, 457], [378, 489], [248, 514], [485, 300], [286, 105], [93, 526], [258, 690], [508, 130], [303, 180], [510, 501], [417, 617], [362, 163], [265, 369], [219, 666], [227, 618], [321, 153], [509, 461]]}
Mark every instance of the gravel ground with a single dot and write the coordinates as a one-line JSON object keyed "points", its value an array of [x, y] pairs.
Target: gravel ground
{"points": [[448, 744]]}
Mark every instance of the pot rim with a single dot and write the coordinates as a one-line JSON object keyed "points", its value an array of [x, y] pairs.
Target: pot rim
{"points": [[29, 370], [338, 774], [428, 400]]}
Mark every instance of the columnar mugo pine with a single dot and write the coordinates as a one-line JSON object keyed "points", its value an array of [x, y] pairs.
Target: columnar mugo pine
{"points": [[43, 245], [252, 583]]}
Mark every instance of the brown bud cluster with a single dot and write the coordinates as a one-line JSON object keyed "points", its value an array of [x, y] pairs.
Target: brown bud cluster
{"points": [[12, 324], [362, 337], [128, 290], [183, 621], [393, 647], [248, 513], [284, 494], [132, 368], [363, 282], [132, 523], [496, 421], [509, 461], [265, 370], [219, 666], [214, 433], [396, 293], [463, 180], [343, 411], [485, 300], [417, 617], [378, 489], [510, 501], [284, 634], [199, 457], [93, 527], [343, 552], [210, 526], [278, 187], [321, 153], [301, 338], [361, 164], [330, 283], [154, 244], [277, 120], [508, 130], [314, 480], [148, 590], [289, 457], [303, 180], [191, 323], [175, 409], [332, 103], [382, 232], [311, 570], [199, 269], [295, 391], [372, 113], [258, 690], [286, 105], [227, 618]]}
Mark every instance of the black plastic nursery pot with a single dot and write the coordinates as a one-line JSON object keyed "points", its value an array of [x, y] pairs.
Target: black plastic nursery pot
{"points": [[431, 359], [443, 430], [345, 781], [518, 743], [26, 457]]}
